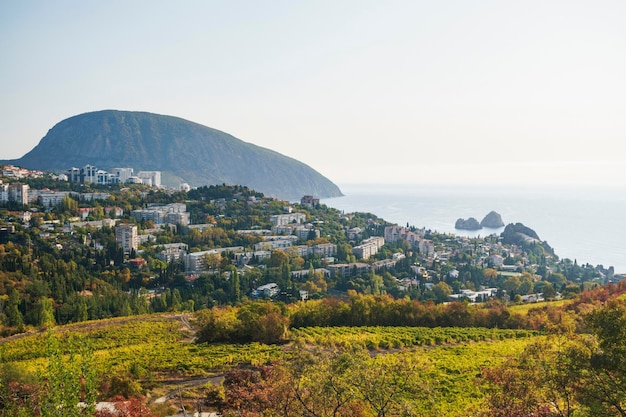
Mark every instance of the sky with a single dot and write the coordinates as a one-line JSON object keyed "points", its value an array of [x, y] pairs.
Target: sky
{"points": [[504, 92]]}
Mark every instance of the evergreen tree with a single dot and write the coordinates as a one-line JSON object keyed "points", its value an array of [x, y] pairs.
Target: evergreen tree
{"points": [[13, 313], [45, 312]]}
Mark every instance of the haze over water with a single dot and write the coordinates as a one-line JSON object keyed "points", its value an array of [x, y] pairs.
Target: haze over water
{"points": [[583, 224]]}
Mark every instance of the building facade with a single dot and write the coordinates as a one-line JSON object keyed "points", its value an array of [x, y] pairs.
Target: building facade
{"points": [[126, 237]]}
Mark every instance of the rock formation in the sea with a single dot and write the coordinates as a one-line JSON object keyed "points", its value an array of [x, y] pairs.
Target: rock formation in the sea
{"points": [[467, 224], [492, 220]]}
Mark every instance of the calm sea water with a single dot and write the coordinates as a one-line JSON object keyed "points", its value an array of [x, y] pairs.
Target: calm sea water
{"points": [[583, 224]]}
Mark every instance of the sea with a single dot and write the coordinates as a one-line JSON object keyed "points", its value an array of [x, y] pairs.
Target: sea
{"points": [[585, 224]]}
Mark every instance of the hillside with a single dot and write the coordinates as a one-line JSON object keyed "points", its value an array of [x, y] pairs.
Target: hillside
{"points": [[184, 151]]}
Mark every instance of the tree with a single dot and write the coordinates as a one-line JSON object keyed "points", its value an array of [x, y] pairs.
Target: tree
{"points": [[262, 322], [385, 383], [45, 312], [548, 291], [511, 286], [320, 383], [14, 316], [567, 374], [69, 379], [442, 292], [212, 261], [604, 386], [234, 286]]}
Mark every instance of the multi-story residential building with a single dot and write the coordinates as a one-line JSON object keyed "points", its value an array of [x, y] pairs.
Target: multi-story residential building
{"points": [[96, 224], [92, 196], [92, 174], [123, 174], [273, 244], [18, 192], [171, 252], [196, 262], [178, 218], [304, 273], [73, 174], [156, 216], [89, 173], [175, 213], [306, 232], [345, 270], [395, 233], [324, 250], [4, 192], [426, 247], [365, 251], [243, 258], [151, 178], [285, 219], [126, 237], [104, 178], [369, 247], [47, 198]]}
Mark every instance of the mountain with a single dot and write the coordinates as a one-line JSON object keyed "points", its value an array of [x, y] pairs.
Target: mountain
{"points": [[182, 150]]}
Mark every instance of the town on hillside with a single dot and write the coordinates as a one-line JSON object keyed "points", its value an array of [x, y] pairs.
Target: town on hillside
{"points": [[147, 248]]}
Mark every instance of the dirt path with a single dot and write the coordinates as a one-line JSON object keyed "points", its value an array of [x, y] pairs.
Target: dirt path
{"points": [[187, 384]]}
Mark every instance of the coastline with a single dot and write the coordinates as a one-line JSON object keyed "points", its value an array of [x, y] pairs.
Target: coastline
{"points": [[581, 223]]}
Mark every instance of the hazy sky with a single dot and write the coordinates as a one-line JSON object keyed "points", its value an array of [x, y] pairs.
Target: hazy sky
{"points": [[404, 91]]}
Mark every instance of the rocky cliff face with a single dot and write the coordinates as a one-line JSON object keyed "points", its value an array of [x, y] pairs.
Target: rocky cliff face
{"points": [[184, 151], [518, 234]]}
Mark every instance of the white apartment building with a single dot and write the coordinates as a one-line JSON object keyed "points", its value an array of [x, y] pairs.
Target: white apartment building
{"points": [[47, 198], [4, 192], [195, 262], [285, 219], [175, 213], [151, 178], [369, 247], [171, 252], [126, 237], [15, 192], [122, 173], [274, 244]]}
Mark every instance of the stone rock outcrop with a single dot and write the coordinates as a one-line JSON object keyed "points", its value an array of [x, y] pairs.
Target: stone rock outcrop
{"points": [[518, 234], [492, 220], [467, 224]]}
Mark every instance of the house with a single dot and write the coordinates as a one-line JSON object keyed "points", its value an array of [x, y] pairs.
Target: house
{"points": [[496, 260], [267, 290], [309, 201]]}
